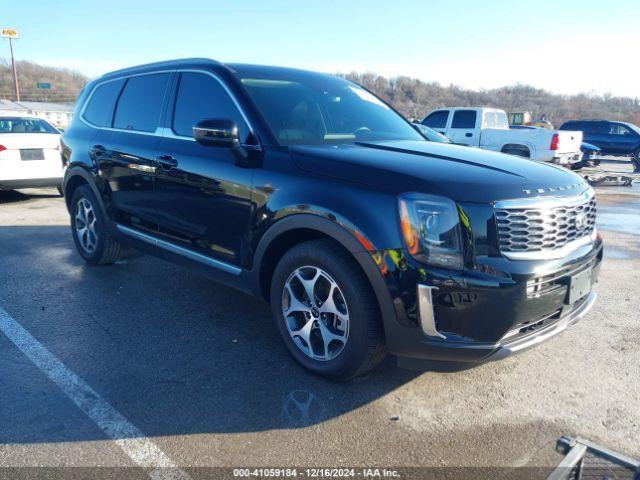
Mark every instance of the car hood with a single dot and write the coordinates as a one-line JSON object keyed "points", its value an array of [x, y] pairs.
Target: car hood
{"points": [[465, 174]]}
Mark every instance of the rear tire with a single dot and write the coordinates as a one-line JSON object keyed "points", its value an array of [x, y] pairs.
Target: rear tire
{"points": [[89, 228], [635, 158], [356, 339]]}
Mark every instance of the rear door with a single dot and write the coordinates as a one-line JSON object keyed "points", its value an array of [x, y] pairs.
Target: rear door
{"points": [[202, 196], [125, 151], [437, 120], [463, 127]]}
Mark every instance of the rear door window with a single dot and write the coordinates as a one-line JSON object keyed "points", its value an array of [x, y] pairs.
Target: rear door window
{"points": [[99, 110], [140, 103], [437, 119], [201, 97], [464, 119], [619, 129]]}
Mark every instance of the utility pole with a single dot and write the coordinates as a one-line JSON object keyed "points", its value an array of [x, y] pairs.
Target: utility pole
{"points": [[12, 33]]}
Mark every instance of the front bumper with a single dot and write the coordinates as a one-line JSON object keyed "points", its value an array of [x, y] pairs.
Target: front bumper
{"points": [[520, 345], [475, 318]]}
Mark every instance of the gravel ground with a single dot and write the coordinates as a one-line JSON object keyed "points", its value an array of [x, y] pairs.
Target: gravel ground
{"points": [[200, 370]]}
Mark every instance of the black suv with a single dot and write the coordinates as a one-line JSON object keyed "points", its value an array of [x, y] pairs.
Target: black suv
{"points": [[312, 193], [613, 138]]}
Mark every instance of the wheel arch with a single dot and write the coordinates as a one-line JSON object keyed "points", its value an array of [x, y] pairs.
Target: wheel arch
{"points": [[517, 146], [299, 228], [75, 177]]}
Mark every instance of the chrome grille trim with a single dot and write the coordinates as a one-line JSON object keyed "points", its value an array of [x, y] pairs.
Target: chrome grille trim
{"points": [[545, 228]]}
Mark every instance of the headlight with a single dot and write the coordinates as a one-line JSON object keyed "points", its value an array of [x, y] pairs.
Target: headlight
{"points": [[431, 229]]}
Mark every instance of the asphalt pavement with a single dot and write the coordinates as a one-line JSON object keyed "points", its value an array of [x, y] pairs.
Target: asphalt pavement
{"points": [[148, 357]]}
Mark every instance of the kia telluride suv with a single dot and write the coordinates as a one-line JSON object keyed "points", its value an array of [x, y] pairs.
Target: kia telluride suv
{"points": [[312, 193]]}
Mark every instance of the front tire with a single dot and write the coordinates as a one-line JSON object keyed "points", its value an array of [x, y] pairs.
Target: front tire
{"points": [[326, 311], [89, 228]]}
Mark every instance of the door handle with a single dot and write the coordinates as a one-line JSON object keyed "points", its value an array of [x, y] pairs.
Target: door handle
{"points": [[167, 161], [468, 134]]}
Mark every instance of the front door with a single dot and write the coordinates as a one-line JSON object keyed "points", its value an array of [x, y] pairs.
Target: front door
{"points": [[202, 197], [125, 154]]}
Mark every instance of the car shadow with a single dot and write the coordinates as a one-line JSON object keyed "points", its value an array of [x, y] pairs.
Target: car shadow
{"points": [[173, 352], [16, 196]]}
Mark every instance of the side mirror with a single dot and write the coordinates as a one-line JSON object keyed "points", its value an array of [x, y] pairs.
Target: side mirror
{"points": [[217, 133]]}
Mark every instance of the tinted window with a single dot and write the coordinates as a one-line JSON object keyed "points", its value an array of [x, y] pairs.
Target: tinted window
{"points": [[464, 119], [140, 104], [202, 97], [437, 119], [99, 111]]}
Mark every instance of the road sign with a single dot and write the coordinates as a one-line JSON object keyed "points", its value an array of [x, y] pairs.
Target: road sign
{"points": [[9, 33], [44, 86]]}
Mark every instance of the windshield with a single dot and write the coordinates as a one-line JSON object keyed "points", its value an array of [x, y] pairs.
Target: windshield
{"points": [[318, 110], [25, 125]]}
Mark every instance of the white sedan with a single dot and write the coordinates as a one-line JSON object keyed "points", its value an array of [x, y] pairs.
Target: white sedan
{"points": [[29, 153]]}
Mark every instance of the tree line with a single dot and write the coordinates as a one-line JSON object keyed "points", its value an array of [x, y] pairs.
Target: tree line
{"points": [[412, 97], [66, 84], [416, 98]]}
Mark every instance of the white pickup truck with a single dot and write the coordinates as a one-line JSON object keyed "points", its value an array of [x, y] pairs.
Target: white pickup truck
{"points": [[488, 128]]}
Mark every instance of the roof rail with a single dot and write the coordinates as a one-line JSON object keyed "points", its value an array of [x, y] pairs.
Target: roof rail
{"points": [[164, 63]]}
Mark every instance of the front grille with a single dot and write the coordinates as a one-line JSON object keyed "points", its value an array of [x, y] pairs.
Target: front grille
{"points": [[532, 229]]}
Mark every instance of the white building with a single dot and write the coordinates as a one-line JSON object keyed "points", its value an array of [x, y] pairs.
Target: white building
{"points": [[7, 107], [59, 114]]}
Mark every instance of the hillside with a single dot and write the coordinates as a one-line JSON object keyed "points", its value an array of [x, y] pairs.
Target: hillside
{"points": [[414, 98], [65, 84]]}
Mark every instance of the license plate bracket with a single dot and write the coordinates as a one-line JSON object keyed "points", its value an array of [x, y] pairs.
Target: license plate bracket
{"points": [[579, 286], [27, 154]]}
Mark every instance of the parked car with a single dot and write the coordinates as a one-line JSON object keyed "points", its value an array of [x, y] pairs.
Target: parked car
{"points": [[308, 191], [431, 135], [29, 153], [488, 128], [613, 138]]}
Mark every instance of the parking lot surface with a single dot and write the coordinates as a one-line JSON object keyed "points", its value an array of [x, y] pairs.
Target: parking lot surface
{"points": [[199, 370]]}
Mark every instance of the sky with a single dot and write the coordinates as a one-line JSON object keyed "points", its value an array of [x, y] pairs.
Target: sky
{"points": [[565, 46]]}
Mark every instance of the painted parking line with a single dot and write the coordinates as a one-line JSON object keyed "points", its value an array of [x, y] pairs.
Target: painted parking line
{"points": [[127, 436]]}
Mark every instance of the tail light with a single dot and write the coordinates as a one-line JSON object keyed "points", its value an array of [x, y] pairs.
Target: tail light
{"points": [[2, 148], [555, 140]]}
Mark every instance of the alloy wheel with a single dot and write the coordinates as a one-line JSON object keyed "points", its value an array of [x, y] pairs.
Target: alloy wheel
{"points": [[85, 223], [316, 313]]}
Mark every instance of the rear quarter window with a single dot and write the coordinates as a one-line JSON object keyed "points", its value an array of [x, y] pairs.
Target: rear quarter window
{"points": [[99, 109], [140, 103], [437, 119]]}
